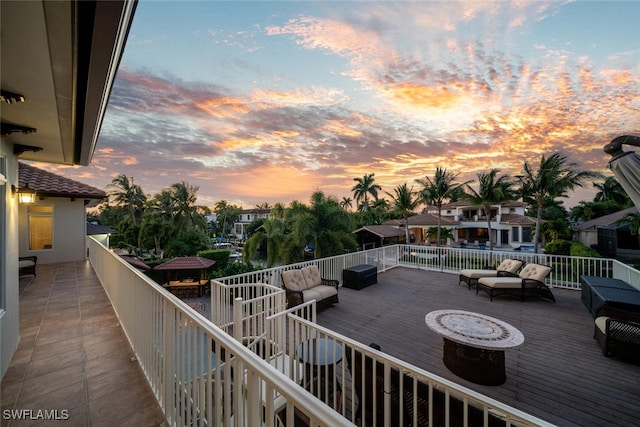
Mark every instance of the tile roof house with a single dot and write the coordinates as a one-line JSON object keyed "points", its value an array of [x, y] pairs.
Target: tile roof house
{"points": [[54, 227], [510, 226], [609, 236]]}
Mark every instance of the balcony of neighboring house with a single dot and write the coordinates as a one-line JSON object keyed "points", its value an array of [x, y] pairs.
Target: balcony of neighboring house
{"points": [[113, 347]]}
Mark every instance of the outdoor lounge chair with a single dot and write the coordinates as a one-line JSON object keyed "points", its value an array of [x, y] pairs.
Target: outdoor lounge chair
{"points": [[507, 268], [530, 281]]}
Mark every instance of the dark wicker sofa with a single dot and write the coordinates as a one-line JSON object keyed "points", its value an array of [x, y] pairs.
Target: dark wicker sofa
{"points": [[305, 284]]}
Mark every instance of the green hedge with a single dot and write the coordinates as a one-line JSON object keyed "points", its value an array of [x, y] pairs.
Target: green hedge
{"points": [[220, 256]]}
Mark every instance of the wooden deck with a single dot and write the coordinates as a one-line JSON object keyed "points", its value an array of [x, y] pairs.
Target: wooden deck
{"points": [[559, 374]]}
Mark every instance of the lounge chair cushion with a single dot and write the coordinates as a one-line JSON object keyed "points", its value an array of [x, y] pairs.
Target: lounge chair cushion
{"points": [[510, 265], [535, 271], [295, 280]]}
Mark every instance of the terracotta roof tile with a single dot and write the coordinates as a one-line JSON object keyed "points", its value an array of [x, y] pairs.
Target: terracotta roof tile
{"points": [[51, 185]]}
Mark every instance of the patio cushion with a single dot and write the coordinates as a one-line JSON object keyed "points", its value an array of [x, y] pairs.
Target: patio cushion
{"points": [[310, 294], [294, 280], [510, 265], [311, 276], [535, 271], [501, 282], [601, 323], [475, 274], [26, 263]]}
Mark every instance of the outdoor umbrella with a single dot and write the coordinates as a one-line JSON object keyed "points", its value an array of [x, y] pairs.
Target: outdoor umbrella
{"points": [[626, 165]]}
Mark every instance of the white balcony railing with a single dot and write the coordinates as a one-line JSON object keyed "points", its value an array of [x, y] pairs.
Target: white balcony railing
{"points": [[199, 374], [202, 376]]}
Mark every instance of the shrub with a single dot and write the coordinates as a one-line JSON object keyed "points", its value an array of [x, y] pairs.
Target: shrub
{"points": [[580, 250], [558, 247], [220, 256]]}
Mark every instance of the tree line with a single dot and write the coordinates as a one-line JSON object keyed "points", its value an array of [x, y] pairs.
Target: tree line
{"points": [[171, 222]]}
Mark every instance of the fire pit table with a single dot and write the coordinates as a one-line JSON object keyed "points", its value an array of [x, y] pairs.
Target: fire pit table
{"points": [[474, 344]]}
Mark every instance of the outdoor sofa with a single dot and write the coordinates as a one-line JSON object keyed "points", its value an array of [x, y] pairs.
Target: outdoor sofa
{"points": [[507, 268], [529, 282], [305, 284]]}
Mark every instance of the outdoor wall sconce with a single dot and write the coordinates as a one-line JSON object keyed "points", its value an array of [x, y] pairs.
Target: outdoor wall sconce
{"points": [[26, 194]]}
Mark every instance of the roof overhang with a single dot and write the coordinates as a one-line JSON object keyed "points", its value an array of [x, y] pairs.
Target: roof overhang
{"points": [[62, 57]]}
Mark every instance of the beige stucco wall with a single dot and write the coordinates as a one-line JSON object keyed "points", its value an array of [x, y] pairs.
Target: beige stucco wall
{"points": [[69, 231], [9, 314]]}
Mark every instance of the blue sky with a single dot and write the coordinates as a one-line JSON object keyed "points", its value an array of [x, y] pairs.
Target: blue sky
{"points": [[268, 101]]}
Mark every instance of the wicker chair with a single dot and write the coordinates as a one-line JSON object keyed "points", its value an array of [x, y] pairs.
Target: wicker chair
{"points": [[618, 333], [27, 265]]}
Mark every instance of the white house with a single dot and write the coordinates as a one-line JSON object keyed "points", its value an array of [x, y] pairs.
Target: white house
{"points": [[53, 227], [510, 226], [59, 60], [246, 217]]}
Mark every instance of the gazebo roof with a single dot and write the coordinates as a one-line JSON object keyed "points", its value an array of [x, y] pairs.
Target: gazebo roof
{"points": [[186, 263], [135, 262]]}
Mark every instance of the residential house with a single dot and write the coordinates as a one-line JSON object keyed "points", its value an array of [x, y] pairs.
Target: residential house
{"points": [[246, 217], [510, 227], [54, 227], [610, 235], [59, 60]]}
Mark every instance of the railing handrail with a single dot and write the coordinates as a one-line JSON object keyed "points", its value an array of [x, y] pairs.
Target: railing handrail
{"points": [[156, 365], [441, 383]]}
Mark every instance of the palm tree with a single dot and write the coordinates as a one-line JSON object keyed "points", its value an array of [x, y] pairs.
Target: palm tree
{"points": [[365, 186], [554, 177], [435, 191], [185, 211], [611, 189], [271, 231], [492, 191], [129, 196], [227, 214], [404, 202], [324, 223], [346, 203]]}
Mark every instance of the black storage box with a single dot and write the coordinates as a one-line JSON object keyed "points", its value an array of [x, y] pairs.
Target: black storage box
{"points": [[359, 276]]}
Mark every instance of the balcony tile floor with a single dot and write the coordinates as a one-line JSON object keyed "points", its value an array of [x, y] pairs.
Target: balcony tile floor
{"points": [[74, 356]]}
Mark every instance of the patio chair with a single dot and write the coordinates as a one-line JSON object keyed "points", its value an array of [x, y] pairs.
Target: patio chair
{"points": [[619, 336], [27, 265], [507, 268], [529, 282]]}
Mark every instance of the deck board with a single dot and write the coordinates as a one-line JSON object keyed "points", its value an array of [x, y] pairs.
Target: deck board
{"points": [[559, 374]]}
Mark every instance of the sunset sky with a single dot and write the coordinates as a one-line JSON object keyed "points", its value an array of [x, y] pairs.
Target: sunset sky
{"points": [[269, 101]]}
